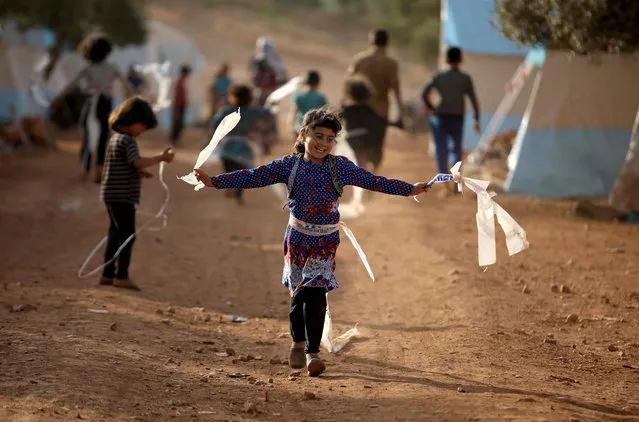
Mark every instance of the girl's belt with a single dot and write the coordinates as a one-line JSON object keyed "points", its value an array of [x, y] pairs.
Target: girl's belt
{"points": [[326, 229]]}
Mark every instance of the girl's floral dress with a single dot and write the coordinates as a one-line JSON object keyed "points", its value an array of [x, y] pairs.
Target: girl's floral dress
{"points": [[309, 261]]}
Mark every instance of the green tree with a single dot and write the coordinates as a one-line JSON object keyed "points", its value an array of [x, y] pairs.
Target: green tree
{"points": [[578, 26], [71, 20], [582, 27], [412, 23]]}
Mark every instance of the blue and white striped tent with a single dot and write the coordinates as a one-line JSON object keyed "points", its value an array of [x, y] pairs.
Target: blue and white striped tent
{"points": [[20, 51], [580, 124]]}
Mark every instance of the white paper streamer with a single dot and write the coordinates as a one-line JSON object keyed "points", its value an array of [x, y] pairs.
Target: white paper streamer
{"points": [[161, 74], [284, 91], [160, 214], [335, 344], [227, 124], [487, 209], [93, 125], [355, 207], [37, 80], [326, 229]]}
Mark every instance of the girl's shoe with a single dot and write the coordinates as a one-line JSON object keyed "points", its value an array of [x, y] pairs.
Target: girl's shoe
{"points": [[315, 366], [125, 283], [296, 358]]}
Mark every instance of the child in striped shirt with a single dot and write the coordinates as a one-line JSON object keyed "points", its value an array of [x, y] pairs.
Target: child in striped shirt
{"points": [[120, 190]]}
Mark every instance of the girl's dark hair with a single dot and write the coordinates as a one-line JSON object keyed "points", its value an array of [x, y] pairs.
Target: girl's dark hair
{"points": [[312, 78], [319, 117], [358, 90], [241, 95], [95, 48], [133, 110]]}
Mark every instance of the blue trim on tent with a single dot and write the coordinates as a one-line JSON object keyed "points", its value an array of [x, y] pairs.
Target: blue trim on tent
{"points": [[20, 101], [567, 163], [468, 26]]}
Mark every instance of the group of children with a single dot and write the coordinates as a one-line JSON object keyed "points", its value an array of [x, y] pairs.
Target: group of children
{"points": [[314, 177]]}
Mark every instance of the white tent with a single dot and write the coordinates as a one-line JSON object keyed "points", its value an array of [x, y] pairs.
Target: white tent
{"points": [[579, 126], [19, 53]]}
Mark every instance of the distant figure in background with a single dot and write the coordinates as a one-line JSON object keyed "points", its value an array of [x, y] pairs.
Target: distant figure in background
{"points": [[242, 146], [382, 72], [136, 80], [306, 101], [220, 88], [180, 104], [447, 119], [267, 68], [365, 129], [99, 76]]}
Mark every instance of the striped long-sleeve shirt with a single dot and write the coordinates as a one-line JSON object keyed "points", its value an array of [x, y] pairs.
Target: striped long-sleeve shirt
{"points": [[121, 180]]}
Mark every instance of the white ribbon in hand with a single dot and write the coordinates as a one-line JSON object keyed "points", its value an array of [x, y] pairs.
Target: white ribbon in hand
{"points": [[227, 125], [161, 73], [284, 91], [487, 209]]}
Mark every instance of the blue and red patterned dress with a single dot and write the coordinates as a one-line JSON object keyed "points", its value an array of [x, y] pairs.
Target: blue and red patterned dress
{"points": [[309, 261]]}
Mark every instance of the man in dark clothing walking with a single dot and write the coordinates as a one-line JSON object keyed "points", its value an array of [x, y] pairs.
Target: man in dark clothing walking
{"points": [[447, 119]]}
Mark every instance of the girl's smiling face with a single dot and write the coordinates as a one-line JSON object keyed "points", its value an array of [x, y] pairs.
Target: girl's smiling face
{"points": [[318, 143]]}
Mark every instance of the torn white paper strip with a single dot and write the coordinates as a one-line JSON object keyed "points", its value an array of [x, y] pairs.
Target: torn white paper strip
{"points": [[93, 126], [516, 240], [335, 344], [360, 251], [487, 209], [161, 74], [355, 207], [227, 125], [284, 91]]}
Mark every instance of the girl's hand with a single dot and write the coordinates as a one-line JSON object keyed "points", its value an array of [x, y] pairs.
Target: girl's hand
{"points": [[419, 188], [203, 177]]}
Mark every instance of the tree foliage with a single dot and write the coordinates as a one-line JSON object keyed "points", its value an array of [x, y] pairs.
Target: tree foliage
{"points": [[412, 23], [578, 26], [71, 20]]}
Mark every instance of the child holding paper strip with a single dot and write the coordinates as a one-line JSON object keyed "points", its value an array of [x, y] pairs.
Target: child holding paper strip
{"points": [[315, 180], [242, 146], [121, 184]]}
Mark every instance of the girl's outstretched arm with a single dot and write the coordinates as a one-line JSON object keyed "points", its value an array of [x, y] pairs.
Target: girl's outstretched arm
{"points": [[276, 171], [350, 174]]}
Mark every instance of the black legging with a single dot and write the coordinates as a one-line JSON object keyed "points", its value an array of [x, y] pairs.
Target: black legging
{"points": [[102, 111], [122, 219], [307, 314]]}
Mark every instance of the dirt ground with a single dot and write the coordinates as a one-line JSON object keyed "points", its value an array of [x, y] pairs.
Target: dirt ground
{"points": [[550, 334]]}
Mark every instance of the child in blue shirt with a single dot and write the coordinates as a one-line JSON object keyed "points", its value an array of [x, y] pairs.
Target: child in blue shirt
{"points": [[309, 100]]}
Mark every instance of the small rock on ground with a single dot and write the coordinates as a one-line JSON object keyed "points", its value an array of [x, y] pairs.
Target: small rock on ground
{"points": [[572, 318]]}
